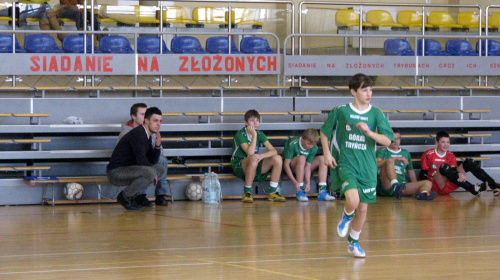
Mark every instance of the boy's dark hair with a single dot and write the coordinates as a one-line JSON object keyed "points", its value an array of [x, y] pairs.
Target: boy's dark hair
{"points": [[252, 113], [152, 111], [360, 81], [441, 134], [135, 108]]}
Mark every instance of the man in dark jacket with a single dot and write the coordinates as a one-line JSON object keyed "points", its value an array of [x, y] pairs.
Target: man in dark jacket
{"points": [[133, 160]]}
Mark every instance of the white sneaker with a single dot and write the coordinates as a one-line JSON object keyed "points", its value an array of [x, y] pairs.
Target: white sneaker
{"points": [[301, 196], [356, 250], [343, 226], [325, 196]]}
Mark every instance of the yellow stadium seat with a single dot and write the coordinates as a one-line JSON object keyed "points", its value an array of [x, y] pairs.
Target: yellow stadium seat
{"points": [[209, 15], [381, 18], [494, 20], [442, 19], [411, 19], [176, 14], [243, 16], [470, 20], [345, 18]]}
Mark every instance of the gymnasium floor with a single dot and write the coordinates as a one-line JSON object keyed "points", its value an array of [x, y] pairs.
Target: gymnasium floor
{"points": [[453, 237]]}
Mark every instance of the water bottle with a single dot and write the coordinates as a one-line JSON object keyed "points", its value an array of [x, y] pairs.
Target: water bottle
{"points": [[211, 189]]}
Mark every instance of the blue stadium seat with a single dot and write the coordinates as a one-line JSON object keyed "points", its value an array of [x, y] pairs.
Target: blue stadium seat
{"points": [[398, 47], [151, 44], [6, 44], [187, 44], [220, 45], [41, 43], [432, 48], [74, 44], [255, 45], [115, 44], [460, 47], [493, 47]]}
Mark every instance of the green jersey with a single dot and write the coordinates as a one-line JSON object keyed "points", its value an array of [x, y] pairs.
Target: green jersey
{"points": [[293, 148], [241, 137], [351, 148], [400, 167]]}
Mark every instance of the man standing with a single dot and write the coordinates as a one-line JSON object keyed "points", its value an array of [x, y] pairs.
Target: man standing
{"points": [[133, 162], [137, 112]]}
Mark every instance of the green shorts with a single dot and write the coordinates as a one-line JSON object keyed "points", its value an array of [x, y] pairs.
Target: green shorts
{"points": [[367, 192], [334, 177], [238, 171], [382, 191]]}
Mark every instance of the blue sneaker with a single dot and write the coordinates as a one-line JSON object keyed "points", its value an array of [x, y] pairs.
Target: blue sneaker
{"points": [[325, 196], [343, 226], [398, 190], [301, 196], [355, 250]]}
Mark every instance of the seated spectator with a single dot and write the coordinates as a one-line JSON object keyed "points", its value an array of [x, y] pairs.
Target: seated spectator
{"points": [[394, 163], [439, 165], [69, 9]]}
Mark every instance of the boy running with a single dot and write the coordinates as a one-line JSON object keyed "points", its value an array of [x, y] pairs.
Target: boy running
{"points": [[352, 130]]}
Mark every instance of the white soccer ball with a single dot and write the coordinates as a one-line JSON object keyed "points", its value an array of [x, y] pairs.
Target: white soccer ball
{"points": [[73, 191], [194, 191]]}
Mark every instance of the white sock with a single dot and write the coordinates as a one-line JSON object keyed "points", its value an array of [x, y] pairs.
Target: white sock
{"points": [[354, 234], [273, 184], [394, 182]]}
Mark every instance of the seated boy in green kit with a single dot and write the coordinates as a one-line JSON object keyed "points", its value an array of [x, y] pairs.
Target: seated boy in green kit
{"points": [[300, 160], [249, 165]]}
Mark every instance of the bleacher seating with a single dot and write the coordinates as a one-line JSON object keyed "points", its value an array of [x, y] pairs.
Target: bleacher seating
{"points": [[493, 47], [151, 44], [443, 19], [75, 44], [243, 16], [398, 47], [41, 43], [460, 48], [219, 44], [255, 45], [469, 19], [345, 18], [6, 44], [382, 18], [431, 48], [176, 15], [494, 20], [411, 19], [187, 44], [115, 44], [209, 15]]}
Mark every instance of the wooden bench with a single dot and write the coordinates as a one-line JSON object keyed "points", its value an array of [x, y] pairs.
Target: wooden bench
{"points": [[35, 118], [46, 181]]}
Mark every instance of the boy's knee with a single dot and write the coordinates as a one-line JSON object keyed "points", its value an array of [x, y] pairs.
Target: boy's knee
{"points": [[277, 161]]}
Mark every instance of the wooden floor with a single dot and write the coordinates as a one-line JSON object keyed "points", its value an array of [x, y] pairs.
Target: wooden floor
{"points": [[453, 237]]}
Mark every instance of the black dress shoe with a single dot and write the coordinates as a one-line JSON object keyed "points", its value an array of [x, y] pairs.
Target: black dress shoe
{"points": [[161, 201], [127, 203], [143, 201]]}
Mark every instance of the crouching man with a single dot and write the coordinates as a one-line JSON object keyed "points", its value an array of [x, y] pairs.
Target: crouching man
{"points": [[132, 163]]}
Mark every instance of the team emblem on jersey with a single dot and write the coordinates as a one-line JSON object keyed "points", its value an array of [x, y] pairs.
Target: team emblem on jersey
{"points": [[348, 126], [434, 166]]}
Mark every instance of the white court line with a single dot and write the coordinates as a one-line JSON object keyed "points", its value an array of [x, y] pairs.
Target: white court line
{"points": [[242, 246], [241, 262], [100, 268], [371, 256]]}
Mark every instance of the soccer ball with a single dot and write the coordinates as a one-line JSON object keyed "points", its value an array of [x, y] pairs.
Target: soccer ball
{"points": [[73, 191], [194, 191]]}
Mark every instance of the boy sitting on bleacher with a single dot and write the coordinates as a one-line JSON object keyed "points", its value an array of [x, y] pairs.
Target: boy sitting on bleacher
{"points": [[439, 165], [300, 154], [249, 165], [394, 163]]}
